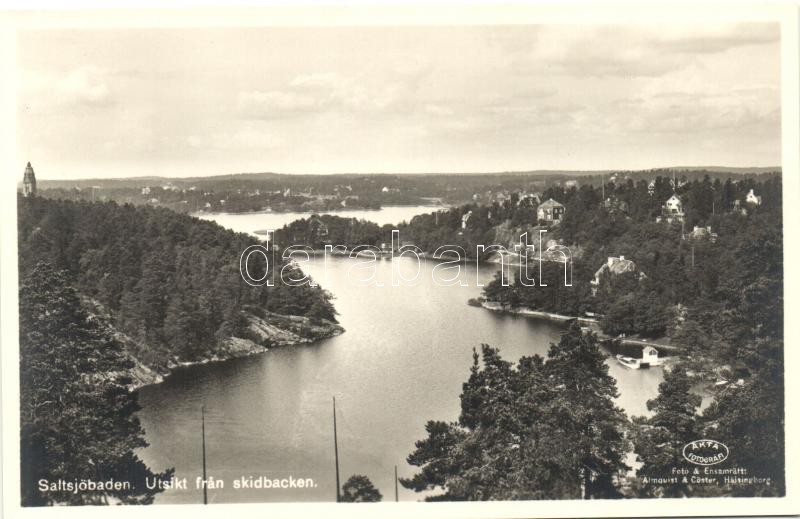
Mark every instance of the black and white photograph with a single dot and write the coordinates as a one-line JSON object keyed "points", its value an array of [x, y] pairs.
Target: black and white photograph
{"points": [[402, 259]]}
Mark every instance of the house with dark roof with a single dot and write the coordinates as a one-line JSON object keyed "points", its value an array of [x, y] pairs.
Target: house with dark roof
{"points": [[703, 233], [614, 266]]}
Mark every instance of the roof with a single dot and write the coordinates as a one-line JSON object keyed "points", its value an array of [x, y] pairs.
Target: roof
{"points": [[615, 266], [674, 197], [558, 252], [621, 265], [550, 203]]}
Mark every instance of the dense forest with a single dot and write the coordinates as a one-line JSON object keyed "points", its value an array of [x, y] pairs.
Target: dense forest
{"points": [[171, 282], [683, 277], [541, 428], [76, 413], [548, 428], [718, 295], [681, 270], [104, 287]]}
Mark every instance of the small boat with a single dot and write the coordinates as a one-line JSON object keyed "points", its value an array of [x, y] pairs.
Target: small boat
{"points": [[628, 362]]}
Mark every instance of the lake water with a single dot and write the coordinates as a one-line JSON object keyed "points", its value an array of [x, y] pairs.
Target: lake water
{"points": [[402, 360], [251, 222]]}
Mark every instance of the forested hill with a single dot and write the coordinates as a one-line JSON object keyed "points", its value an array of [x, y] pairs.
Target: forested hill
{"points": [[169, 282]]}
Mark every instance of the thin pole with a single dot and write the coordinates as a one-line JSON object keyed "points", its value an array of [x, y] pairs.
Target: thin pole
{"points": [[205, 485], [336, 451], [603, 182], [395, 483]]}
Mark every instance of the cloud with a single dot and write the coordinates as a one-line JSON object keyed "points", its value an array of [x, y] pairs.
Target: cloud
{"points": [[274, 102], [438, 110], [323, 92], [717, 39], [85, 85], [77, 88], [642, 52], [245, 137], [695, 113], [414, 98]]}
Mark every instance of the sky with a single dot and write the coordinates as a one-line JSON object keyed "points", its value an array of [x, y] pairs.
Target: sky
{"points": [[191, 102]]}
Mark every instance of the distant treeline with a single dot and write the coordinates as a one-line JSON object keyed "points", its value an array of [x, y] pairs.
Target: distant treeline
{"points": [[257, 191]]}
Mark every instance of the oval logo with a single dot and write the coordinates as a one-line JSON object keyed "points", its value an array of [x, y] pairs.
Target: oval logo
{"points": [[705, 452]]}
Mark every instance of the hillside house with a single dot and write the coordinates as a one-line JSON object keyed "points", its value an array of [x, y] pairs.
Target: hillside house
{"points": [[752, 198], [613, 266], [703, 233], [671, 210], [550, 211], [528, 199]]}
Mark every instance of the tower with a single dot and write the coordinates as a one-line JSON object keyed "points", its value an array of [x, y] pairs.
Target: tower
{"points": [[29, 182]]}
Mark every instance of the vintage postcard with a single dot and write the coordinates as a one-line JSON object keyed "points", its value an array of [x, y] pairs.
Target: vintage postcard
{"points": [[383, 261]]}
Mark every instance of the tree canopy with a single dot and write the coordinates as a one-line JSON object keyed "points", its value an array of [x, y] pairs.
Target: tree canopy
{"points": [[543, 429], [77, 417]]}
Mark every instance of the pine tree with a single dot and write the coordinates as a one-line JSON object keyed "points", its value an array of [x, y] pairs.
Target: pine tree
{"points": [[660, 439], [359, 489], [77, 417], [577, 366], [540, 430]]}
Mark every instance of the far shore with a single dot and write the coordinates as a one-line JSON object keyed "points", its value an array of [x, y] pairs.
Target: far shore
{"points": [[591, 322], [322, 211]]}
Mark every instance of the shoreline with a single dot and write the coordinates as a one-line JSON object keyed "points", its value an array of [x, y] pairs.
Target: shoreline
{"points": [[333, 212], [594, 323], [501, 308], [233, 348]]}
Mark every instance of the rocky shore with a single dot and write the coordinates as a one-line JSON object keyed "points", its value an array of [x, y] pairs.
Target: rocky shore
{"points": [[265, 331]]}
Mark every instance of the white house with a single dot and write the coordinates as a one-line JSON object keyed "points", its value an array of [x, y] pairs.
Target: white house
{"points": [[752, 198], [465, 219], [673, 205], [672, 210], [650, 357]]}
